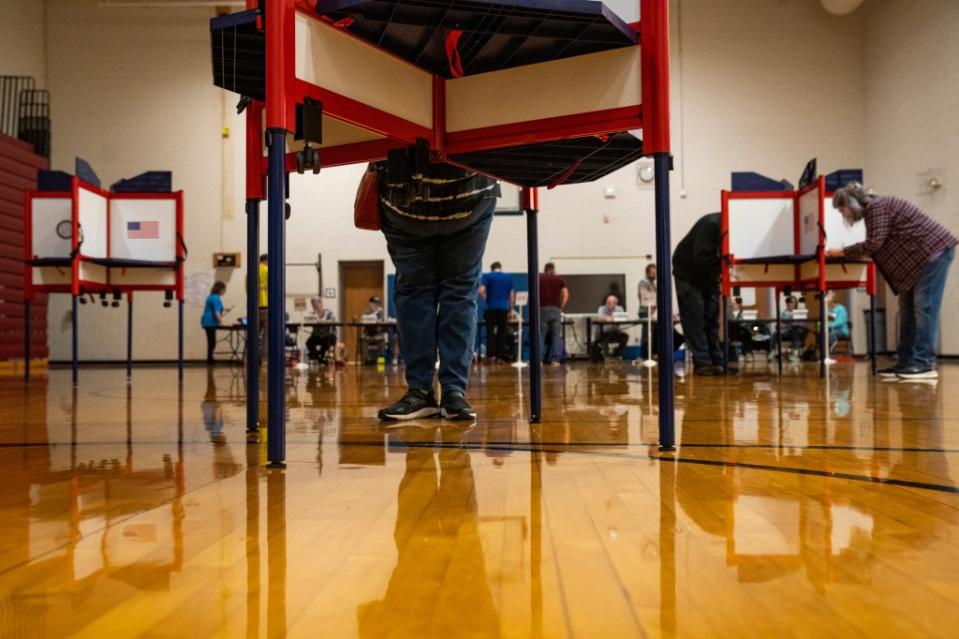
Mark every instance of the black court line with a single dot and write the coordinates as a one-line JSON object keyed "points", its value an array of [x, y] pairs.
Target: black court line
{"points": [[563, 448], [687, 460]]}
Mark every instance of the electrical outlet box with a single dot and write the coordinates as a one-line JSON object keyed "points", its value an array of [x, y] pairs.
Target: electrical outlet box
{"points": [[226, 260]]}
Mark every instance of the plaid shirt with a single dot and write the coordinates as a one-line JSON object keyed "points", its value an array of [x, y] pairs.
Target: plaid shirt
{"points": [[901, 240]]}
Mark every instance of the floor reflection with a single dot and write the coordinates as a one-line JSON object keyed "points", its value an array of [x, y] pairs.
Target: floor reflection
{"points": [[439, 585]]}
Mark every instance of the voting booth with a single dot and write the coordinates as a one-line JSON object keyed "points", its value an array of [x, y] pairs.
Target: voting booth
{"points": [[534, 93], [96, 244], [779, 239]]}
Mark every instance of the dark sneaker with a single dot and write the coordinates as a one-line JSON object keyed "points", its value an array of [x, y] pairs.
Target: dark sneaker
{"points": [[918, 372], [456, 408], [708, 369], [892, 371], [416, 404]]}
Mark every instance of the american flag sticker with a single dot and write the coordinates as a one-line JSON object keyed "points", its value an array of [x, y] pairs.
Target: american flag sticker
{"points": [[143, 230]]}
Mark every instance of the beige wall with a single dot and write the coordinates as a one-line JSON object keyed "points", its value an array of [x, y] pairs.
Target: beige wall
{"points": [[133, 92], [22, 39], [912, 117]]}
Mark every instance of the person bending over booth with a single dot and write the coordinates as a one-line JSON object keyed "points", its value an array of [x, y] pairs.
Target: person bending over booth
{"points": [[696, 270], [436, 222], [914, 253]]}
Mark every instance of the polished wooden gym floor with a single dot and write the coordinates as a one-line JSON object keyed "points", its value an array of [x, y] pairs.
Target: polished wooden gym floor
{"points": [[793, 507]]}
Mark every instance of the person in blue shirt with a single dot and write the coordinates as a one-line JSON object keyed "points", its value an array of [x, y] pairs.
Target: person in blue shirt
{"points": [[212, 317], [838, 320], [496, 289]]}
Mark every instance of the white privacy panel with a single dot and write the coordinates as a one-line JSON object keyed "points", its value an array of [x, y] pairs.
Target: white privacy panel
{"points": [[328, 58], [581, 84], [809, 222], [761, 227], [51, 222], [93, 273], [92, 215], [142, 276], [143, 229], [761, 273], [837, 233]]}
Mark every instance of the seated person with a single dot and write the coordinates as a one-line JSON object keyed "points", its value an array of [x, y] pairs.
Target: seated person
{"points": [[323, 338], [606, 313], [793, 334], [837, 323], [373, 338]]}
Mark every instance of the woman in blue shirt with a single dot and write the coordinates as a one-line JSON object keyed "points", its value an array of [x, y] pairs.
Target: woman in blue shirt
{"points": [[838, 320], [212, 317]]}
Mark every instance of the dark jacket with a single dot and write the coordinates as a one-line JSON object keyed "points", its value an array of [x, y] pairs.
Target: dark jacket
{"points": [[696, 259]]}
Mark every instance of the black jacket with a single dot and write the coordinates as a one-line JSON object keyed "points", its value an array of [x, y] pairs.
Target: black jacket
{"points": [[696, 259]]}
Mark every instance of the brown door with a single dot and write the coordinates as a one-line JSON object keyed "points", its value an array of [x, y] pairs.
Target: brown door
{"points": [[358, 282]]}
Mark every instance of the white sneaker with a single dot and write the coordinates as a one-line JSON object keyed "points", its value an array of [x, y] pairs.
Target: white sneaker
{"points": [[914, 372]]}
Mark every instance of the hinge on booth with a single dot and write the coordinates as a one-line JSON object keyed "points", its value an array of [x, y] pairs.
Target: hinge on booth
{"points": [[309, 128]]}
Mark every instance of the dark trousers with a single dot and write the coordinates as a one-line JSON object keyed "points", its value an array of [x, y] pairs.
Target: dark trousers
{"points": [[619, 337], [318, 344], [699, 314], [210, 342], [496, 333]]}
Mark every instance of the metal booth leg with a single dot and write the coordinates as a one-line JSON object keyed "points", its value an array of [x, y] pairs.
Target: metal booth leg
{"points": [[74, 354], [179, 349], [779, 334], [252, 316], [26, 340], [662, 163], [129, 335], [873, 348], [823, 334], [276, 288], [535, 357], [727, 335]]}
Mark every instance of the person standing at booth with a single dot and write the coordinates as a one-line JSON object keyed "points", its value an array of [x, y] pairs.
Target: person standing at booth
{"points": [[496, 289], [213, 313], [914, 253], [697, 267], [436, 222], [553, 297]]}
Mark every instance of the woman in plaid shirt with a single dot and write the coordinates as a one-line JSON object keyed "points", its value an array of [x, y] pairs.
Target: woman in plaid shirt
{"points": [[913, 252]]}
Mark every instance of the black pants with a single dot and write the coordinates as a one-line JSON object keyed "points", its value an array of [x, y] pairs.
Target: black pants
{"points": [[619, 337], [210, 342], [317, 345], [699, 314], [496, 335]]}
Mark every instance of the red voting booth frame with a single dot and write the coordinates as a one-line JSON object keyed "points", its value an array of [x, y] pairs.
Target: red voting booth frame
{"points": [[820, 281], [284, 91], [78, 286]]}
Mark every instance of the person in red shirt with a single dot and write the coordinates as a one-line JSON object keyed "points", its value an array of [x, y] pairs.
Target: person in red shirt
{"points": [[553, 296], [913, 252]]}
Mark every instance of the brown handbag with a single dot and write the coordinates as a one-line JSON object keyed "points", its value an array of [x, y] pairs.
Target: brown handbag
{"points": [[366, 208]]}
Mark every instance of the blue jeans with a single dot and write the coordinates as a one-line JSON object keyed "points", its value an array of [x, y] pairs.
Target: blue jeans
{"points": [[437, 283], [919, 314], [551, 326]]}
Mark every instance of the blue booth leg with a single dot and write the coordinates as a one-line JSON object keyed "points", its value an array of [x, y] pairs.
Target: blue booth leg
{"points": [[662, 164], [276, 291]]}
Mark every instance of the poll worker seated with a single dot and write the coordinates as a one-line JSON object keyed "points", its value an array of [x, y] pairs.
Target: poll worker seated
{"points": [[323, 338], [611, 311], [793, 336], [373, 338]]}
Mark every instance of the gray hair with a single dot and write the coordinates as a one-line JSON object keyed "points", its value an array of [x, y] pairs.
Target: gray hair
{"points": [[855, 197]]}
